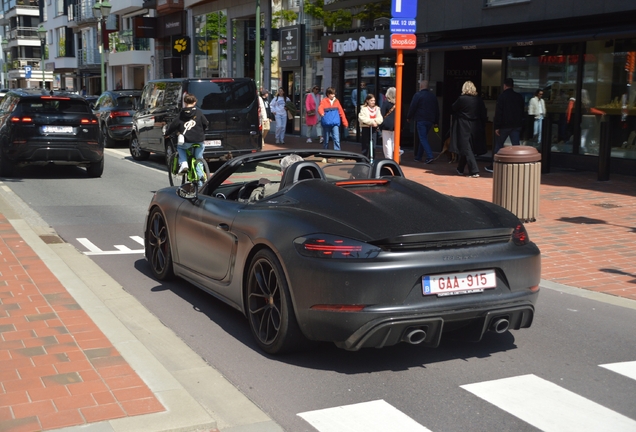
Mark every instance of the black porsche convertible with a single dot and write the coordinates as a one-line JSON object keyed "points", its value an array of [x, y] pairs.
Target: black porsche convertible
{"points": [[336, 248]]}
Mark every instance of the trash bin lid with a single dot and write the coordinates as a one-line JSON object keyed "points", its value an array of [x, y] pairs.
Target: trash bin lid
{"points": [[518, 154]]}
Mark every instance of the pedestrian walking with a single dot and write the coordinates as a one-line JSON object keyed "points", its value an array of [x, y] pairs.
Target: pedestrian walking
{"points": [[468, 132], [424, 110], [508, 120], [277, 105], [312, 101], [536, 108], [333, 116], [369, 119], [388, 124], [265, 121]]}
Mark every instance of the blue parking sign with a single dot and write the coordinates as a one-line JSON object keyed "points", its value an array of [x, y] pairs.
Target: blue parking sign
{"points": [[403, 8], [27, 71]]}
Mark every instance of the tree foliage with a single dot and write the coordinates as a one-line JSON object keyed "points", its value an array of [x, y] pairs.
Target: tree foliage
{"points": [[342, 19]]}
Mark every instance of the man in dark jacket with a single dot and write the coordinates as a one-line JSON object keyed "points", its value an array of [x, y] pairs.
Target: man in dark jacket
{"points": [[508, 118], [425, 110], [190, 126]]}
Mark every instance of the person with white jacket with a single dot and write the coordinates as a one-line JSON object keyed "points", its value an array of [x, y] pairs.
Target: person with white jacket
{"points": [[536, 108], [277, 105]]}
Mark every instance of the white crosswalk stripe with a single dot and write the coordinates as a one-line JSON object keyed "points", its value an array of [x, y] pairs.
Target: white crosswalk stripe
{"points": [[120, 249], [627, 369], [549, 407], [363, 417], [534, 400]]}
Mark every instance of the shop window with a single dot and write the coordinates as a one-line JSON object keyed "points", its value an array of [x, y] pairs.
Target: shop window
{"points": [[210, 45], [349, 94], [609, 95], [553, 70]]}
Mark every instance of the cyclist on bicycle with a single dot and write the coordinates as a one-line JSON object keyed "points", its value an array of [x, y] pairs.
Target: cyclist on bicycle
{"points": [[190, 126]]}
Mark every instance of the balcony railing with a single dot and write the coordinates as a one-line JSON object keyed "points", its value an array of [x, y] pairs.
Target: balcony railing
{"points": [[23, 33], [88, 58], [22, 62], [125, 41], [32, 4], [82, 12]]}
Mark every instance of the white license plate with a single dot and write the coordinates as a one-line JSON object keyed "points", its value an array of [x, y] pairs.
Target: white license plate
{"points": [[212, 143], [57, 129], [459, 283]]}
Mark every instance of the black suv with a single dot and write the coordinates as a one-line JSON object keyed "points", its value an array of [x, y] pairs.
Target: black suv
{"points": [[230, 105], [38, 128], [114, 110]]}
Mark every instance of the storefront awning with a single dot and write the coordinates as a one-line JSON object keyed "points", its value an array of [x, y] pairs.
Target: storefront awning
{"points": [[520, 40]]}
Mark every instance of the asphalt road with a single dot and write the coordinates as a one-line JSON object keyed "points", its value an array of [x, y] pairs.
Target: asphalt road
{"points": [[574, 368]]}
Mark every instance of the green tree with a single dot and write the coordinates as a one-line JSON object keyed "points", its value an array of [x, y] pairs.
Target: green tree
{"points": [[283, 15], [343, 19]]}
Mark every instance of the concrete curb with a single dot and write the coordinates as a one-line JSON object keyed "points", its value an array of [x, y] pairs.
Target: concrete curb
{"points": [[196, 396]]}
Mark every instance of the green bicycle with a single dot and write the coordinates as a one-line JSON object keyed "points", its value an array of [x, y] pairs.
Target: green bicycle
{"points": [[191, 175]]}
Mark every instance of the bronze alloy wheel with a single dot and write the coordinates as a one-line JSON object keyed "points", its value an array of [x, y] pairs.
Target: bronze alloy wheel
{"points": [[158, 247], [270, 311]]}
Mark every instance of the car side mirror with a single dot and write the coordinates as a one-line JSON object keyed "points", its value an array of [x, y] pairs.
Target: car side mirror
{"points": [[189, 191]]}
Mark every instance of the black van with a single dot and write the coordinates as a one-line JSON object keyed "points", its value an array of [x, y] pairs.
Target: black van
{"points": [[230, 104]]}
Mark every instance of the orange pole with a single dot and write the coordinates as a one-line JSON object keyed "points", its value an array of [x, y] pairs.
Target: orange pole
{"points": [[398, 105]]}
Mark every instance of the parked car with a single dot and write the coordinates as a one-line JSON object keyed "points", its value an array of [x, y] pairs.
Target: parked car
{"points": [[38, 128], [230, 104], [114, 110], [91, 100], [350, 252]]}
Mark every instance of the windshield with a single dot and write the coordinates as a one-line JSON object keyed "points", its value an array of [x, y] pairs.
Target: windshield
{"points": [[223, 94]]}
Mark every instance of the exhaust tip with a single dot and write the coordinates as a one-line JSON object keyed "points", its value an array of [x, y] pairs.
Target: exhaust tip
{"points": [[500, 325], [414, 336]]}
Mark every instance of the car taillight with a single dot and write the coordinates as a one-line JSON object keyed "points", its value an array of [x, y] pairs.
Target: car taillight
{"points": [[520, 235], [88, 121], [330, 246], [119, 114], [21, 120]]}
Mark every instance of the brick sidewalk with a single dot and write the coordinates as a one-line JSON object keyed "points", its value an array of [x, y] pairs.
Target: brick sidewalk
{"points": [[57, 369], [586, 229]]}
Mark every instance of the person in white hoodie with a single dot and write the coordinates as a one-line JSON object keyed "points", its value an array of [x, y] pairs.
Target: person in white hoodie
{"points": [[277, 105], [536, 108]]}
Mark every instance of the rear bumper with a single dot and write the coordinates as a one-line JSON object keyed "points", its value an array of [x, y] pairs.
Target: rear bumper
{"points": [[120, 133], [67, 153], [468, 324]]}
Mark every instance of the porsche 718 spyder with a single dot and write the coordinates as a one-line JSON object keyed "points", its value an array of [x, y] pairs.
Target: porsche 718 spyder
{"points": [[343, 250]]}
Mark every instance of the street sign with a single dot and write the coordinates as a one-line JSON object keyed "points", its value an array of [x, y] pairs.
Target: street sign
{"points": [[27, 71], [403, 41], [403, 25], [403, 8]]}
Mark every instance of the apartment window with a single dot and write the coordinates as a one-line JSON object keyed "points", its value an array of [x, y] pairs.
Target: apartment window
{"points": [[61, 41], [59, 7]]}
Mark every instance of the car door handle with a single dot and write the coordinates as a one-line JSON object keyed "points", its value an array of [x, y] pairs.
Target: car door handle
{"points": [[235, 118], [224, 227]]}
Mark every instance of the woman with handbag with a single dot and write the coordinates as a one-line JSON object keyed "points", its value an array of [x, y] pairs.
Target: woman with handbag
{"points": [[369, 119], [311, 112], [278, 107], [265, 122], [388, 123]]}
